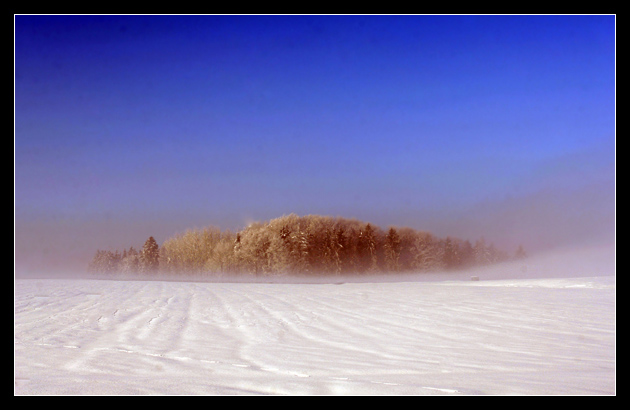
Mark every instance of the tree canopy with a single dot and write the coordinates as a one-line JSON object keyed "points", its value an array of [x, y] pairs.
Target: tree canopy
{"points": [[300, 245]]}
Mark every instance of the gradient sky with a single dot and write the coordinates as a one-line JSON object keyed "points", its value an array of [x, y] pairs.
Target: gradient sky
{"points": [[132, 126]]}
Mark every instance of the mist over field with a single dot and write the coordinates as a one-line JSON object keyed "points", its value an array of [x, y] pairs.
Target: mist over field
{"points": [[541, 223]]}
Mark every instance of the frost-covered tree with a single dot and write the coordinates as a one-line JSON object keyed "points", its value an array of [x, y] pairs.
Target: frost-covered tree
{"points": [[480, 251], [311, 244], [392, 250], [97, 263], [251, 251], [426, 253], [467, 254], [191, 252], [222, 257], [366, 247], [130, 263], [106, 262], [450, 253]]}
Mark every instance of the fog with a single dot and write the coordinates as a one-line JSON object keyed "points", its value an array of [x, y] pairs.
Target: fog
{"points": [[590, 260], [542, 222]]}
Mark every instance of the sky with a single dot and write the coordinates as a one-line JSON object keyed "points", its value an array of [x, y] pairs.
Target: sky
{"points": [[130, 126]]}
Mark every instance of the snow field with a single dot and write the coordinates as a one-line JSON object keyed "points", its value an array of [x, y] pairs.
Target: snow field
{"points": [[512, 336]]}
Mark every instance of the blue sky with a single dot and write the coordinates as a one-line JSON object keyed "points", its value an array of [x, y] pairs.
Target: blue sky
{"points": [[131, 126]]}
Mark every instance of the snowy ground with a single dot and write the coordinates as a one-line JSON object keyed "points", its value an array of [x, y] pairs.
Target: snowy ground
{"points": [[547, 327]]}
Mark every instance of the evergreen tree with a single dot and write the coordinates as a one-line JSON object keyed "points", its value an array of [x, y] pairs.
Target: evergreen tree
{"points": [[105, 262], [149, 256], [96, 264]]}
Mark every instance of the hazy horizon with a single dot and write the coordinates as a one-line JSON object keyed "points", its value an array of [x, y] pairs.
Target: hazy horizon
{"points": [[126, 127]]}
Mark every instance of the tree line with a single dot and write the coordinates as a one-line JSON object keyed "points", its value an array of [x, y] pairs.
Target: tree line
{"points": [[302, 245]]}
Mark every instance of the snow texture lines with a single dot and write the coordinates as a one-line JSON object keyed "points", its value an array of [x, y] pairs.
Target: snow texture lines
{"points": [[549, 337]]}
